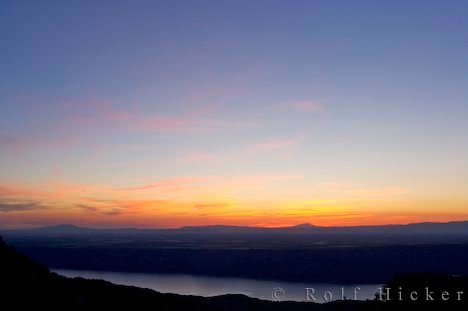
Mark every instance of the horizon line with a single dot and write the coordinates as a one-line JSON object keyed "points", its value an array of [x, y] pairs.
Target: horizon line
{"points": [[232, 226]]}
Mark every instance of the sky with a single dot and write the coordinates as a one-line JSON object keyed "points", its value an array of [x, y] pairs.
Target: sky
{"points": [[162, 114]]}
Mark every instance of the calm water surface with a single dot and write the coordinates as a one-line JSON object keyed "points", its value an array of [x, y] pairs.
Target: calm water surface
{"points": [[211, 286]]}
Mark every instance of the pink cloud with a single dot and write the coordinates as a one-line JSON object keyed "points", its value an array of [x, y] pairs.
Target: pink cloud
{"points": [[77, 122], [106, 116], [15, 190], [308, 105]]}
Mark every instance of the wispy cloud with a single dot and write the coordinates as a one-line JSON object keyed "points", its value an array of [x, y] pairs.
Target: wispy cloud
{"points": [[18, 207], [107, 200], [199, 119], [86, 121], [13, 190]]}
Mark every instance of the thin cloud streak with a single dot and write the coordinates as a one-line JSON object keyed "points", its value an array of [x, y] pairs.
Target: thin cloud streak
{"points": [[81, 122], [197, 120], [6, 206]]}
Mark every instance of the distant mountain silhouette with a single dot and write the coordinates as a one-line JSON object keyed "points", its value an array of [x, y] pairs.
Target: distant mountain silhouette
{"points": [[304, 225], [27, 284], [455, 227]]}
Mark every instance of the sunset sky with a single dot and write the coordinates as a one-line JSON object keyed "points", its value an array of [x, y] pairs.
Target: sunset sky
{"points": [[162, 114]]}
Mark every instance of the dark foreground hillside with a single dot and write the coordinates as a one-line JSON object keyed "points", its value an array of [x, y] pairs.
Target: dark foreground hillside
{"points": [[27, 284]]}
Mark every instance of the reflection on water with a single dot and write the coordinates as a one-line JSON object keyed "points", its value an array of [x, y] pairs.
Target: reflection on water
{"points": [[211, 286]]}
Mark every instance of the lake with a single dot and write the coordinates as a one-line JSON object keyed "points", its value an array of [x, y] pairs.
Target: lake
{"points": [[212, 286]]}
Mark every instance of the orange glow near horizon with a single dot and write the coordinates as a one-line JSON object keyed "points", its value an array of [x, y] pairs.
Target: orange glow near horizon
{"points": [[215, 201]]}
